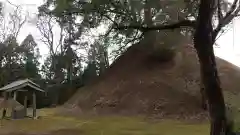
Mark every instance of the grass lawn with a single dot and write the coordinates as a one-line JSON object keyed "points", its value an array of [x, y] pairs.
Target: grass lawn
{"points": [[51, 124]]}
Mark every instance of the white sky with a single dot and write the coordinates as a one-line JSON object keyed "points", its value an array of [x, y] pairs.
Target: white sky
{"points": [[229, 48], [29, 7]]}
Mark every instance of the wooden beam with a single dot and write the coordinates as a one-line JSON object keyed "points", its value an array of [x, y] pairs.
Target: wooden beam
{"points": [[34, 104], [22, 90]]}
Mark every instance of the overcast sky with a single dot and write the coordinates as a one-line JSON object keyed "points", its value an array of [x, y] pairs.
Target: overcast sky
{"points": [[229, 48], [29, 7]]}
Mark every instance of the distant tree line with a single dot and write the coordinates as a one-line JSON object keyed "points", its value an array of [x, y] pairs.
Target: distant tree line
{"points": [[63, 70]]}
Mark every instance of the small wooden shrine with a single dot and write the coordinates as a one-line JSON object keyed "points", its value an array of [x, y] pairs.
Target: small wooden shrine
{"points": [[10, 92]]}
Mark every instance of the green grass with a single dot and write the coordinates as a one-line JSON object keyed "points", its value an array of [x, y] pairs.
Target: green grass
{"points": [[233, 101], [112, 125], [138, 126]]}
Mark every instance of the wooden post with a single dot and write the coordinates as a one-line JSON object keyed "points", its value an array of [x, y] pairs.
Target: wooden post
{"points": [[15, 95], [34, 105], [13, 106], [25, 104], [4, 105]]}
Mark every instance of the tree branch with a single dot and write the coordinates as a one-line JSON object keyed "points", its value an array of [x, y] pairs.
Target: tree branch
{"points": [[20, 26], [135, 38], [16, 6], [184, 23], [220, 14], [233, 12]]}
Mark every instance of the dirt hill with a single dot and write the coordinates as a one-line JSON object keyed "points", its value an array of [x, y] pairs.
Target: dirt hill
{"points": [[138, 84]]}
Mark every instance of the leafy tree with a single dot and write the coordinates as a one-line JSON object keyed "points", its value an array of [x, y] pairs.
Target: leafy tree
{"points": [[91, 70], [31, 56], [97, 61], [19, 61], [45, 69], [197, 17], [11, 65]]}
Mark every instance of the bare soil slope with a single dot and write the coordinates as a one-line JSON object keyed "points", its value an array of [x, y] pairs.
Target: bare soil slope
{"points": [[138, 84]]}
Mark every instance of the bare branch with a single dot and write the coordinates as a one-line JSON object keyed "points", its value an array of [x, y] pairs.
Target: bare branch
{"points": [[109, 18], [12, 4], [60, 42], [135, 38], [233, 12], [12, 23], [220, 14], [45, 28], [108, 31], [20, 26], [45, 25]]}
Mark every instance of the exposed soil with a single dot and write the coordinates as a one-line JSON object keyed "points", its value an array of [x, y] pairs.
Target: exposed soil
{"points": [[138, 84]]}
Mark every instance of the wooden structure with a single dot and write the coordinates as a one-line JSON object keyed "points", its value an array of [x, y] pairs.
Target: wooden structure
{"points": [[11, 91]]}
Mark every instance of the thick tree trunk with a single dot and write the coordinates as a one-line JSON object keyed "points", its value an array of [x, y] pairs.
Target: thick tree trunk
{"points": [[204, 45], [203, 93], [212, 89]]}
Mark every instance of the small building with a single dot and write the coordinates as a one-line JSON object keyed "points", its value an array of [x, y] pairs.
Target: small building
{"points": [[10, 92]]}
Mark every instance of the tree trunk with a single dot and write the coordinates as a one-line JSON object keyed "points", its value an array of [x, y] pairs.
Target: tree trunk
{"points": [[203, 93], [212, 89], [148, 13], [149, 36], [69, 72], [203, 43]]}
